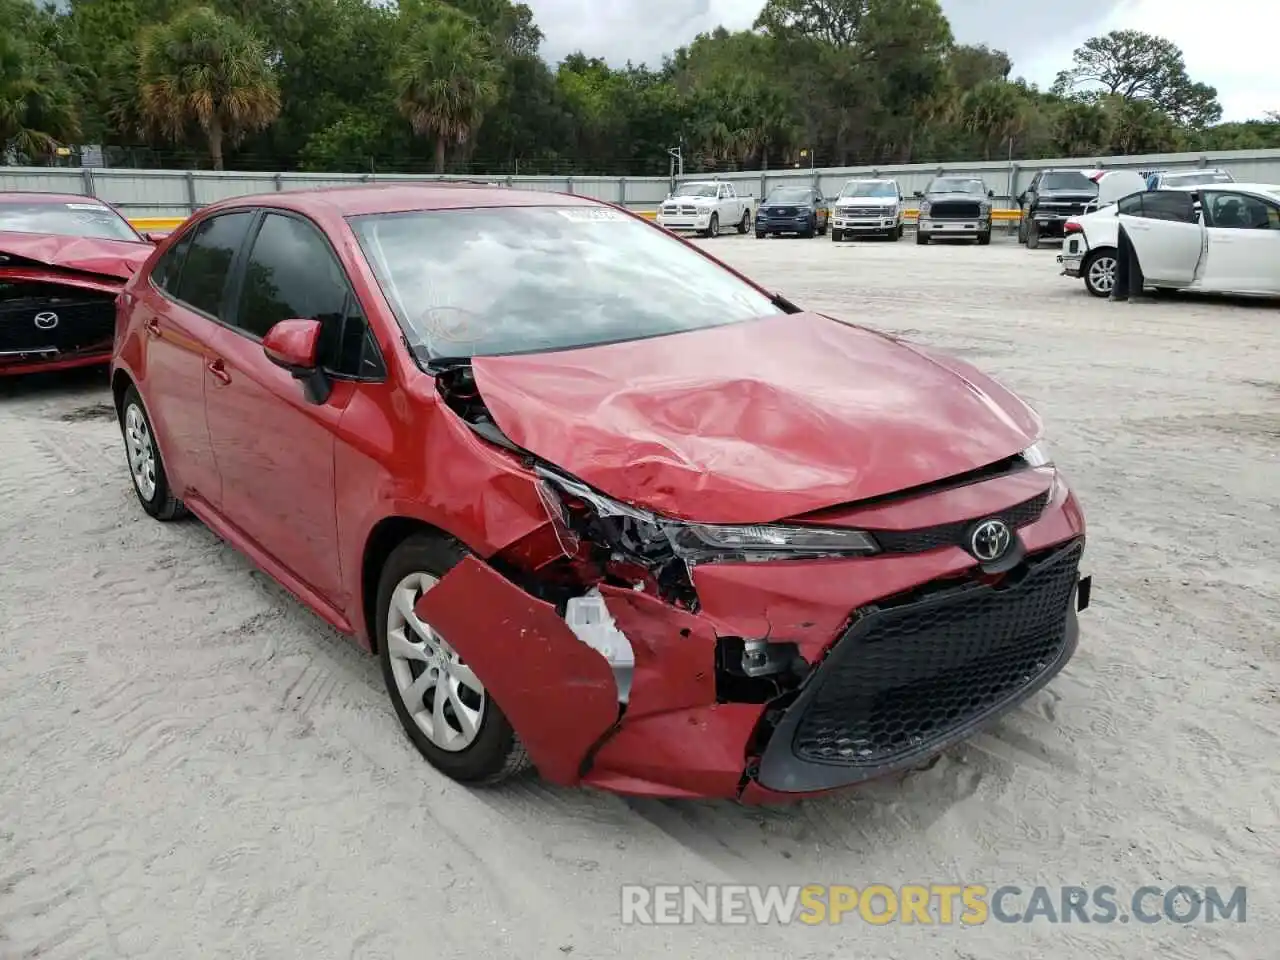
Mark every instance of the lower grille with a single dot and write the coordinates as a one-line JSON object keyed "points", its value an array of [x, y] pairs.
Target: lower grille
{"points": [[863, 212], [79, 322], [906, 680], [954, 210]]}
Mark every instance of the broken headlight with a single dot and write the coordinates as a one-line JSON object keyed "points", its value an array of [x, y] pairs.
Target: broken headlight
{"points": [[1038, 455], [647, 537]]}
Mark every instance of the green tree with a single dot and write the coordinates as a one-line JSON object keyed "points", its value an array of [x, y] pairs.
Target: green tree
{"points": [[1140, 66], [994, 111], [206, 71], [37, 103], [1080, 129], [445, 77]]}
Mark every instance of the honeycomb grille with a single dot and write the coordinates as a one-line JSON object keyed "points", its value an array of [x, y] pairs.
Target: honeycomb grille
{"points": [[953, 534], [902, 679]]}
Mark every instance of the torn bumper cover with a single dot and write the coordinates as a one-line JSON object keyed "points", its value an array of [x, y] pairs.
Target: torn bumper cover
{"points": [[905, 680]]}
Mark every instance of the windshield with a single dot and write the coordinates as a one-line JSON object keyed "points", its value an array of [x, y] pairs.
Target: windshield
{"points": [[1070, 180], [696, 190], [958, 185], [1191, 179], [72, 219], [497, 280], [790, 195], [869, 188]]}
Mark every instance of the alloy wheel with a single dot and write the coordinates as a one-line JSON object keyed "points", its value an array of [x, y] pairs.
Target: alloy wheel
{"points": [[141, 450], [441, 693], [1102, 274]]}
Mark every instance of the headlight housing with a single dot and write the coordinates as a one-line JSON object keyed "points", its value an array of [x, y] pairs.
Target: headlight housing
{"points": [[645, 536], [924, 208]]}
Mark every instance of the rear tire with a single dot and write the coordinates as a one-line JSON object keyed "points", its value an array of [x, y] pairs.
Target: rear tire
{"points": [[493, 752], [146, 466], [745, 226], [1099, 278]]}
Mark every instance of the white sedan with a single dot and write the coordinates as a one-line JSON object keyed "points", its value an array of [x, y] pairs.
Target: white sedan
{"points": [[1211, 238]]}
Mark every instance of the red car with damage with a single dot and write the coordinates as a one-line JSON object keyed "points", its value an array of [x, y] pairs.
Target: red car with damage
{"points": [[597, 501], [63, 259]]}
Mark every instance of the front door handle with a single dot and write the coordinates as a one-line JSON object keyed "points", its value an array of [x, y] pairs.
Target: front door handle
{"points": [[219, 370], [152, 326]]}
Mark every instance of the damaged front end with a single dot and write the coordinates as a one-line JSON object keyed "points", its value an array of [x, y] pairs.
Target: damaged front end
{"points": [[655, 656]]}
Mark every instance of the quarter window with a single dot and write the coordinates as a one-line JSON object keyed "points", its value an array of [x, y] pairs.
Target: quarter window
{"points": [[168, 268], [214, 245]]}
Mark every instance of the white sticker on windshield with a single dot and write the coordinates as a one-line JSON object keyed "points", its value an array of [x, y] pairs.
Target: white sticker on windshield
{"points": [[87, 206], [591, 214]]}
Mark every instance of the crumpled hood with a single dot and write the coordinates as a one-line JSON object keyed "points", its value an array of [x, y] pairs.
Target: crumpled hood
{"points": [[756, 421], [110, 258]]}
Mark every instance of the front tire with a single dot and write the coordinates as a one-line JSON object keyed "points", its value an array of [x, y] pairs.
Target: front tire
{"points": [[760, 234], [893, 234], [812, 228], [146, 466], [442, 705], [713, 228], [922, 238], [836, 235], [1099, 271], [1033, 236], [984, 238]]}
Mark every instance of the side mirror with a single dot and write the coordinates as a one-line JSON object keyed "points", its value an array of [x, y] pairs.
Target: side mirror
{"points": [[295, 346], [991, 194], [918, 194], [154, 236], [1022, 197]]}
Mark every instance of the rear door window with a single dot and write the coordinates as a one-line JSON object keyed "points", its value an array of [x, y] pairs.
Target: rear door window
{"points": [[214, 245]]}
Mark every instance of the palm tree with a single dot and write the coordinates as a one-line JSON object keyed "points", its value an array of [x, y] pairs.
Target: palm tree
{"points": [[206, 70], [445, 78], [37, 110], [995, 111]]}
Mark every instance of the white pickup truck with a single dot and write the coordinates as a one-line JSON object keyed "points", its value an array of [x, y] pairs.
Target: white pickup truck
{"points": [[707, 206]]}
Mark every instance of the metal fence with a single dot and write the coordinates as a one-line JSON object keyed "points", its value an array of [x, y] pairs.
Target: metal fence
{"points": [[178, 193]]}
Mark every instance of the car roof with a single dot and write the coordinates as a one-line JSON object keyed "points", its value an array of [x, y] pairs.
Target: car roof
{"points": [[12, 196], [365, 199]]}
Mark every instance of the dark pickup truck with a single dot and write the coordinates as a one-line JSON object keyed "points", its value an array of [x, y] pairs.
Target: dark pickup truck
{"points": [[1052, 198]]}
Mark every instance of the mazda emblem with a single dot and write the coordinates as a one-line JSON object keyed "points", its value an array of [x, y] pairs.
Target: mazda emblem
{"points": [[990, 540], [46, 321]]}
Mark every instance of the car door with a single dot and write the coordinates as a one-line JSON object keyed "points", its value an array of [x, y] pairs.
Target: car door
{"points": [[1166, 235], [1243, 243], [178, 312], [274, 448]]}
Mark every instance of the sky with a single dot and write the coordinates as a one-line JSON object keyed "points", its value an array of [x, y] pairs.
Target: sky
{"points": [[1229, 44]]}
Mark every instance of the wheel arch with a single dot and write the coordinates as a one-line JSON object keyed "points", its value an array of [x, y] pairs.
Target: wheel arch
{"points": [[387, 534], [120, 384]]}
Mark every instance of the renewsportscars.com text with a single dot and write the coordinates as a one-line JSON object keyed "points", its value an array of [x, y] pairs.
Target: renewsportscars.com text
{"points": [[937, 904]]}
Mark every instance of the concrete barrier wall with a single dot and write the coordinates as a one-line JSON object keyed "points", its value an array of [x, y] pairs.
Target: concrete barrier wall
{"points": [[165, 195]]}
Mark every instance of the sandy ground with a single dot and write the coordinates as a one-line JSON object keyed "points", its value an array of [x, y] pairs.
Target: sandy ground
{"points": [[193, 766]]}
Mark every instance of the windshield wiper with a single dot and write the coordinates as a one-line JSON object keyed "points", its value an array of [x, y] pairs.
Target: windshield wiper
{"points": [[441, 364]]}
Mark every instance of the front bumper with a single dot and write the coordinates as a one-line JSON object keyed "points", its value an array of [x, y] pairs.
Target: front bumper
{"points": [[858, 224], [21, 362], [885, 671], [796, 224], [952, 228], [682, 222]]}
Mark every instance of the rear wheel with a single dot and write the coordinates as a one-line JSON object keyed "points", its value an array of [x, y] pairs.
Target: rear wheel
{"points": [[146, 466], [441, 703], [1099, 271]]}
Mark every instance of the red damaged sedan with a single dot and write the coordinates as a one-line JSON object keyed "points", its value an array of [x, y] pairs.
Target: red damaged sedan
{"points": [[63, 259], [598, 502]]}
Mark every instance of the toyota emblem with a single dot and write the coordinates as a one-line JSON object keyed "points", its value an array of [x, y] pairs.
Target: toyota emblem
{"points": [[990, 540], [46, 321]]}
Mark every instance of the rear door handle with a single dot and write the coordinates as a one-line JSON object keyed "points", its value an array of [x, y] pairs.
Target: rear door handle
{"points": [[219, 370]]}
